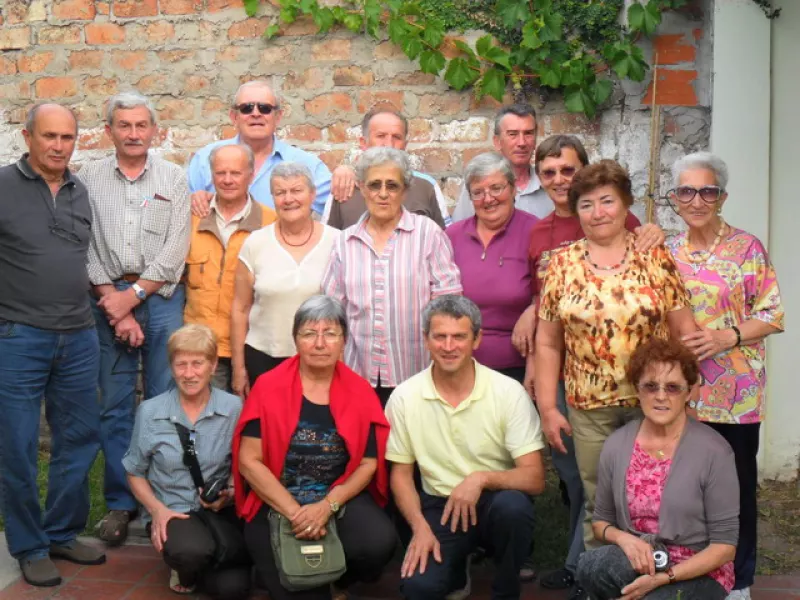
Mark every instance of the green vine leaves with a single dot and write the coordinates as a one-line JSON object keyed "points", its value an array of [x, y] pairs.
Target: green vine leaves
{"points": [[548, 51]]}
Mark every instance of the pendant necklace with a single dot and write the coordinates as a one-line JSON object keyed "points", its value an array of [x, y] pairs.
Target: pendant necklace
{"points": [[288, 243]]}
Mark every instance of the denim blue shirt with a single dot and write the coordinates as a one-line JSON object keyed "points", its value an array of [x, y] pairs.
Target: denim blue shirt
{"points": [[200, 172], [156, 453]]}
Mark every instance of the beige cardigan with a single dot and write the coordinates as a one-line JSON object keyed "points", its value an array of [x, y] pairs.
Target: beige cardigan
{"points": [[700, 502]]}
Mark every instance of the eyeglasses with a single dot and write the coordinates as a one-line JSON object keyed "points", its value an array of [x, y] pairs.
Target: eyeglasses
{"points": [[684, 194], [392, 187], [309, 336], [493, 190], [566, 173], [247, 108], [651, 388]]}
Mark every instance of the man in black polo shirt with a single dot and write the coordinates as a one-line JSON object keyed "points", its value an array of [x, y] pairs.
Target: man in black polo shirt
{"points": [[48, 348]]}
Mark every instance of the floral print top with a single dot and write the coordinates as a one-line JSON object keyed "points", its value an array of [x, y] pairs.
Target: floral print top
{"points": [[644, 485], [605, 317], [736, 284]]}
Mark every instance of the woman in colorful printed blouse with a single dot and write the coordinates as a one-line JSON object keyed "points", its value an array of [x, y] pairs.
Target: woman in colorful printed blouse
{"points": [[601, 299], [735, 298], [666, 483]]}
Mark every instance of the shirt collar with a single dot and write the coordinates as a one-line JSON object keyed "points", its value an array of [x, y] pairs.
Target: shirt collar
{"points": [[429, 391], [278, 146], [170, 408], [251, 221], [471, 225], [148, 163], [533, 184], [27, 170], [359, 230], [240, 216]]}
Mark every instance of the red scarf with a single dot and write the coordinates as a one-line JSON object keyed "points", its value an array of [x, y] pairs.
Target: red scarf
{"points": [[276, 400]]}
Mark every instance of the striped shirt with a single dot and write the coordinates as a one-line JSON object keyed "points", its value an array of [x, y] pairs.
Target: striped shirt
{"points": [[141, 226], [384, 294], [156, 453]]}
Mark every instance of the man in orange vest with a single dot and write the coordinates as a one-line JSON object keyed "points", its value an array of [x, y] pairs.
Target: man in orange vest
{"points": [[214, 248]]}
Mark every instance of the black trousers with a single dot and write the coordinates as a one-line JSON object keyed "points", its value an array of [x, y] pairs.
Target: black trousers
{"points": [[257, 363], [367, 536], [744, 441], [190, 550], [505, 529]]}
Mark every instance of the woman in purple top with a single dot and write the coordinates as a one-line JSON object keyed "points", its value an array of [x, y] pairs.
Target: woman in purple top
{"points": [[490, 250]]}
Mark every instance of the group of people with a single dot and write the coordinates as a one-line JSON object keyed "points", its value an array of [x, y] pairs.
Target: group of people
{"points": [[335, 349]]}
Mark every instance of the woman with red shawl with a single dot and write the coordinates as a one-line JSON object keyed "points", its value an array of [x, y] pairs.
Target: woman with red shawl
{"points": [[311, 441]]}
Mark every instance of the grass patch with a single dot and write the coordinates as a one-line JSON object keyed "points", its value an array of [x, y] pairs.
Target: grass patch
{"points": [[779, 528]]}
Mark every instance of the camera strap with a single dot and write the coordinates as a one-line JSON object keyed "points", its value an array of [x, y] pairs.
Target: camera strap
{"points": [[190, 455]]}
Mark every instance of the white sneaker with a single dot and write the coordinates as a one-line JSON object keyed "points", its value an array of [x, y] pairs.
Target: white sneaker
{"points": [[743, 594]]}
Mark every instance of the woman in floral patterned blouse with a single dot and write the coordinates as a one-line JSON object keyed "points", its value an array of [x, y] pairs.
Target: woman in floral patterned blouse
{"points": [[601, 299], [736, 301]]}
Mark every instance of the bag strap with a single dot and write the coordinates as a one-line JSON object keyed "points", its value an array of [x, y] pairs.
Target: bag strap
{"points": [[190, 455]]}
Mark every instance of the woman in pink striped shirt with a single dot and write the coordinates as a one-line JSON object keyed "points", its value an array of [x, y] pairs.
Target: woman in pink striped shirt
{"points": [[384, 270]]}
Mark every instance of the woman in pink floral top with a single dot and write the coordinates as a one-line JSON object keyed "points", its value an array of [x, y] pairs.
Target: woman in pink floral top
{"points": [[665, 483], [736, 301]]}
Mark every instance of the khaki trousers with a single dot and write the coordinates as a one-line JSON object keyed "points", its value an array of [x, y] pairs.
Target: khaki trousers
{"points": [[590, 429]]}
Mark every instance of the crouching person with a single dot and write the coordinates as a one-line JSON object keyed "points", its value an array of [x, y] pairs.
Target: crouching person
{"points": [[179, 458], [667, 500], [309, 465], [477, 440]]}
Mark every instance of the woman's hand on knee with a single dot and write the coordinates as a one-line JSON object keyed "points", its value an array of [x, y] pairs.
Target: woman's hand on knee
{"points": [[639, 552], [640, 587], [158, 528]]}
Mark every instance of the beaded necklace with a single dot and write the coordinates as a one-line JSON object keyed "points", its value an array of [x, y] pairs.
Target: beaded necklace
{"points": [[619, 265], [700, 258]]}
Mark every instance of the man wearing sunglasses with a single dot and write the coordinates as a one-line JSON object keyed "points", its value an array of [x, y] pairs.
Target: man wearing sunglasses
{"points": [[48, 348], [256, 114], [140, 204], [514, 138], [384, 127]]}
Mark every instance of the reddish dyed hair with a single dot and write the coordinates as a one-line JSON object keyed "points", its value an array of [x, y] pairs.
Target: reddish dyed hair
{"points": [[599, 174], [670, 352]]}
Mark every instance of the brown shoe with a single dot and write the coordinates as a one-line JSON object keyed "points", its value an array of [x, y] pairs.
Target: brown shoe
{"points": [[40, 572], [113, 528], [78, 553]]}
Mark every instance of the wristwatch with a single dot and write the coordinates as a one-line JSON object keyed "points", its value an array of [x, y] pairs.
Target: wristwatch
{"points": [[139, 291], [671, 575], [333, 504]]}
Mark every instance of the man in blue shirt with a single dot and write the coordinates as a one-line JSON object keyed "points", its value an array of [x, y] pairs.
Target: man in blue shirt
{"points": [[256, 114]]}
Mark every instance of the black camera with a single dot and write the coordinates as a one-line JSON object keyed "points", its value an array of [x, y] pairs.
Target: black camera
{"points": [[213, 489], [660, 557]]}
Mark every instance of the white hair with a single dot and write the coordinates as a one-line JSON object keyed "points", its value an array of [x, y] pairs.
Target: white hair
{"points": [[256, 83], [126, 100], [701, 160]]}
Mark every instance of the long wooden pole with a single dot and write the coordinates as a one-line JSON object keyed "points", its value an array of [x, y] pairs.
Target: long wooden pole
{"points": [[655, 147]]}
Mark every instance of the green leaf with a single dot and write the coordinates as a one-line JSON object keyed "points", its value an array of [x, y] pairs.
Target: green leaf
{"points": [[488, 51], [578, 101], [251, 7], [271, 31], [483, 44], [394, 5], [288, 15], [433, 34], [398, 28], [644, 19], [372, 9], [459, 74], [636, 16], [431, 61], [308, 6], [493, 83], [324, 19], [512, 12], [464, 48], [530, 36], [353, 21], [551, 77], [553, 27], [601, 90], [412, 46]]}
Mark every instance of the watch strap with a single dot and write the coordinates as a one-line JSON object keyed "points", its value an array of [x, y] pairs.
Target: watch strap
{"points": [[671, 575]]}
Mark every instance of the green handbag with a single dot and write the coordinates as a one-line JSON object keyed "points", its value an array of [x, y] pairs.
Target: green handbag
{"points": [[305, 564]]}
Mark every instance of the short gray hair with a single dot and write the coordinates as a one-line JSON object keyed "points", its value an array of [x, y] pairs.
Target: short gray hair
{"points": [[319, 308], [520, 110], [126, 100], [256, 83], [487, 164], [701, 160], [452, 305], [30, 118], [251, 158], [375, 157], [293, 169]]}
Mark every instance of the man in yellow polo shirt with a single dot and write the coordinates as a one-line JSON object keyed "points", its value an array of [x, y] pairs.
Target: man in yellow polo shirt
{"points": [[477, 440]]}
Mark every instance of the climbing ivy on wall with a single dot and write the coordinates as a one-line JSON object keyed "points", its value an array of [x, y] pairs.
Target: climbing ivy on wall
{"points": [[575, 47]]}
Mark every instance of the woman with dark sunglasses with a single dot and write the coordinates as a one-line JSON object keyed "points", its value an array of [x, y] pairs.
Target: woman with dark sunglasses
{"points": [[736, 302]]}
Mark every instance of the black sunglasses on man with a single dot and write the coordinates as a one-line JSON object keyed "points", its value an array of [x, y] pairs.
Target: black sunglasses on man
{"points": [[247, 108]]}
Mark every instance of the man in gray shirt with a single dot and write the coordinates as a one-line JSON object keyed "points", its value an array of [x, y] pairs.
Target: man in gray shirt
{"points": [[48, 348], [140, 204]]}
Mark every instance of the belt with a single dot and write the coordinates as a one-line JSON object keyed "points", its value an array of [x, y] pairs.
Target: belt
{"points": [[129, 277]]}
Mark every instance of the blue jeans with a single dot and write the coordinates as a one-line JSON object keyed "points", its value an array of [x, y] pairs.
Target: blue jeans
{"points": [[567, 469], [62, 368], [119, 370], [505, 529]]}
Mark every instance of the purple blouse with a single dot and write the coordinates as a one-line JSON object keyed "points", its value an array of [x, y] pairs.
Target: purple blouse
{"points": [[498, 280]]}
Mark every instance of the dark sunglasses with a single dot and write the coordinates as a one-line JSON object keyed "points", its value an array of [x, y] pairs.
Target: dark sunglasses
{"points": [[684, 194], [247, 108], [566, 173]]}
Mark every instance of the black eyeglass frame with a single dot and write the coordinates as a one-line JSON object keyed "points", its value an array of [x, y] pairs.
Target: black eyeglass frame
{"points": [[264, 108]]}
